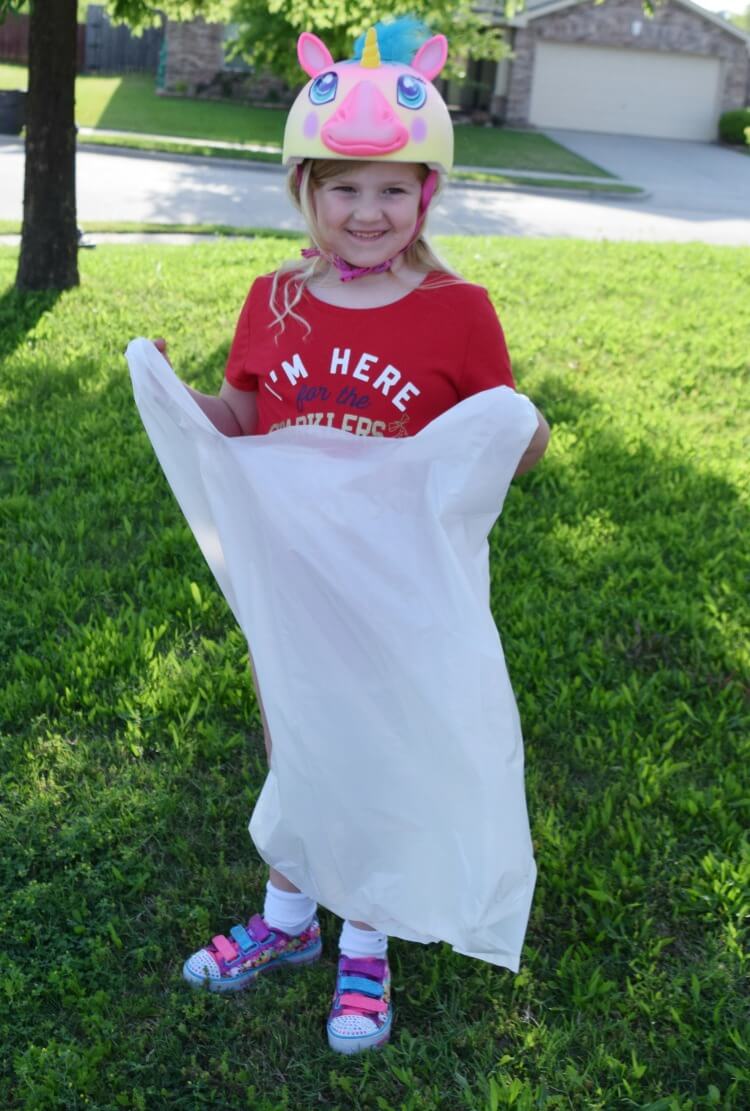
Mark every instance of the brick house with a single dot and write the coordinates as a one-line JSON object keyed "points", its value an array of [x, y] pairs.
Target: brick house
{"points": [[608, 67], [197, 59], [193, 54], [575, 64]]}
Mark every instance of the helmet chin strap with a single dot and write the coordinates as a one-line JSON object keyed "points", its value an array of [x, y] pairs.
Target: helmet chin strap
{"points": [[347, 272]]}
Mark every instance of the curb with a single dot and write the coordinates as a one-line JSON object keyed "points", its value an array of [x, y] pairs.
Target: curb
{"points": [[550, 191], [191, 159]]}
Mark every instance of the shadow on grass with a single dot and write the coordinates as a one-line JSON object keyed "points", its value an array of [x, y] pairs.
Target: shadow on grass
{"points": [[601, 563], [20, 313], [639, 538], [626, 556], [621, 569]]}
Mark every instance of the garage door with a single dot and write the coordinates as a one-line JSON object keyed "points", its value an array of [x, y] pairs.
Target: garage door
{"points": [[626, 92]]}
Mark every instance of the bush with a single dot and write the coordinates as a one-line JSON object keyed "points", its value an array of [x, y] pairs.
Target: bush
{"points": [[733, 125]]}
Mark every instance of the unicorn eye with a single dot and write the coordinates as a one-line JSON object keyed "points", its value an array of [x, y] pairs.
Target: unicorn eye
{"points": [[410, 92], [323, 88]]}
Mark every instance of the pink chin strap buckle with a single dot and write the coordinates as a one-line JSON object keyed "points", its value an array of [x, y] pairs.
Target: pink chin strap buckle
{"points": [[347, 272]]}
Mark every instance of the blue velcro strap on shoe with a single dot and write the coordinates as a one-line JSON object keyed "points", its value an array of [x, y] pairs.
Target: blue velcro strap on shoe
{"points": [[360, 983], [243, 939]]}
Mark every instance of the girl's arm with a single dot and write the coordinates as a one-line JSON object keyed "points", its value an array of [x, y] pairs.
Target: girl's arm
{"points": [[536, 448], [234, 412], [243, 405]]}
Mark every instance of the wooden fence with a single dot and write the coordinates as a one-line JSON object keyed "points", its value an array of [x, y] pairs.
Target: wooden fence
{"points": [[113, 48], [102, 46], [14, 41], [14, 38]]}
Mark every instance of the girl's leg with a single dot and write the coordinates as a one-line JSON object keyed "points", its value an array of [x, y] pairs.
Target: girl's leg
{"points": [[287, 932], [281, 883], [282, 909], [363, 947], [361, 1016], [349, 1029], [358, 939]]}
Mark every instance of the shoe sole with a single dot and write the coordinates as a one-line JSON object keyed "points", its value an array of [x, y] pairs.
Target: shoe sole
{"points": [[341, 1044], [238, 983]]}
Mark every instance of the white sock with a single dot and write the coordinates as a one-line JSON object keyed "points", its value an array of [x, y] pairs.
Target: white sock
{"points": [[355, 942], [290, 911]]}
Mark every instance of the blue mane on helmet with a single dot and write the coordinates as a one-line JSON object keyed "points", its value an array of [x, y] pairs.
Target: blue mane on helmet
{"points": [[398, 40]]}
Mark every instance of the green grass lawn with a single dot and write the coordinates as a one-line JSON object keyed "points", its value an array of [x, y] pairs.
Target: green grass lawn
{"points": [[130, 752], [518, 150], [130, 104]]}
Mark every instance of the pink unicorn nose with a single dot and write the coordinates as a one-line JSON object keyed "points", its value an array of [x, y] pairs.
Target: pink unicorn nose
{"points": [[364, 124]]}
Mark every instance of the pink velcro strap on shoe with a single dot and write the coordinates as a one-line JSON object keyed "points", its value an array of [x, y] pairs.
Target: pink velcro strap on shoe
{"points": [[363, 966], [351, 1002], [257, 928], [224, 947]]}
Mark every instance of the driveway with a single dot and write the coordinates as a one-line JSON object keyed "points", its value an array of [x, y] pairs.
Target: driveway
{"points": [[694, 178]]}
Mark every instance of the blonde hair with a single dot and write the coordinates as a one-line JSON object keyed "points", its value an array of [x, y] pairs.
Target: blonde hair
{"points": [[301, 186]]}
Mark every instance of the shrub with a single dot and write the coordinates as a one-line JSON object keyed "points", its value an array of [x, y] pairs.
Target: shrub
{"points": [[733, 125]]}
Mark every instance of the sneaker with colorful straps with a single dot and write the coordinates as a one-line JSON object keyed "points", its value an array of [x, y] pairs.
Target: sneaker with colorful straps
{"points": [[361, 1014], [232, 963]]}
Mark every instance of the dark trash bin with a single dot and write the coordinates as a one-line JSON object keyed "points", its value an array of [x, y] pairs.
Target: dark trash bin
{"points": [[12, 112]]}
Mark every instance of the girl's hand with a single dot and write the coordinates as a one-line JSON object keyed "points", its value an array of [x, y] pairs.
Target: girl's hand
{"points": [[536, 448], [161, 346]]}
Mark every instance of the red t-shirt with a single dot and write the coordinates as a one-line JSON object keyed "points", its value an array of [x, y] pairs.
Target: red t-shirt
{"points": [[386, 371]]}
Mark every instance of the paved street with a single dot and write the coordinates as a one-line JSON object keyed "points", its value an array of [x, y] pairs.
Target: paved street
{"points": [[113, 186]]}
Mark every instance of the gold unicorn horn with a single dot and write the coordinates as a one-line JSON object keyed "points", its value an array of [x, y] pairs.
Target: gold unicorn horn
{"points": [[370, 55]]}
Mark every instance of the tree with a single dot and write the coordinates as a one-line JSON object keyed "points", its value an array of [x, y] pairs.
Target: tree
{"points": [[741, 19], [49, 236], [268, 29]]}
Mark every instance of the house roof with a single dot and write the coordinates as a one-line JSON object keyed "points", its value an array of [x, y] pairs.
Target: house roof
{"points": [[536, 9]]}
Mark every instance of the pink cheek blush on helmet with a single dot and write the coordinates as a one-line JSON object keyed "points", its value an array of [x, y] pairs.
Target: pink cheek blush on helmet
{"points": [[369, 108]]}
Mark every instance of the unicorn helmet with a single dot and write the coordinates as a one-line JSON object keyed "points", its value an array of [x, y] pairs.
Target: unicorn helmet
{"points": [[368, 108]]}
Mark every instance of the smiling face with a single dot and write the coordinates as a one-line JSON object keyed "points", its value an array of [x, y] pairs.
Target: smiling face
{"points": [[367, 211]]}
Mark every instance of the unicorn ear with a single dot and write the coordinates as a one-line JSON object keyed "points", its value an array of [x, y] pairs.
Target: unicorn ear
{"points": [[431, 56], [314, 56]]}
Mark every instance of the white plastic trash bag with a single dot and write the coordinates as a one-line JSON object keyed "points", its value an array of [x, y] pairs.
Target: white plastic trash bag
{"points": [[357, 568]]}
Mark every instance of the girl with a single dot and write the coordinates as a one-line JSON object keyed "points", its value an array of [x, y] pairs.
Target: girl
{"points": [[373, 335]]}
